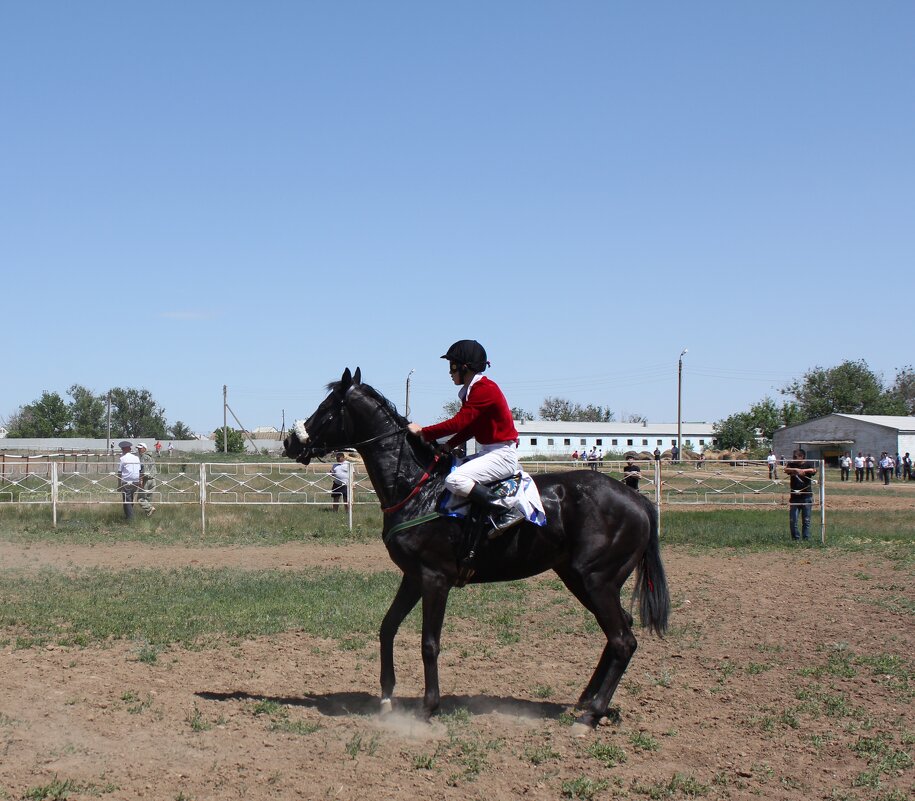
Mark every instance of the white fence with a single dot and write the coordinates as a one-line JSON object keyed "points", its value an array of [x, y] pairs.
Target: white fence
{"points": [[94, 480]]}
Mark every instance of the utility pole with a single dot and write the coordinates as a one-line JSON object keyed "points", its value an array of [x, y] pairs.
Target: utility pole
{"points": [[407, 404], [680, 405], [225, 423], [108, 442]]}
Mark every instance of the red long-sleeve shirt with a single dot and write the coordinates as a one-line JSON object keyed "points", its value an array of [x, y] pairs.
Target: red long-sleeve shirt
{"points": [[484, 415]]}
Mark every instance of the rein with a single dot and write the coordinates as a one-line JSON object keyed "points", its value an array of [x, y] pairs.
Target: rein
{"points": [[425, 477]]}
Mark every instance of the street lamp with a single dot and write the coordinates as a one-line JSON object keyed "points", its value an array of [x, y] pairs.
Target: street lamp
{"points": [[407, 404], [680, 403]]}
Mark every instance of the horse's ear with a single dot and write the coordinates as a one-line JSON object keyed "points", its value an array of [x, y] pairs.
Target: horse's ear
{"points": [[346, 380], [357, 376]]}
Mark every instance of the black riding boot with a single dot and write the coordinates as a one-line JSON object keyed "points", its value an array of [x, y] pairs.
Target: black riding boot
{"points": [[500, 516]]}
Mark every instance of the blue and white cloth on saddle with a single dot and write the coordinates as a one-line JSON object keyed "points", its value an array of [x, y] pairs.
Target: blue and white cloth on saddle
{"points": [[517, 491]]}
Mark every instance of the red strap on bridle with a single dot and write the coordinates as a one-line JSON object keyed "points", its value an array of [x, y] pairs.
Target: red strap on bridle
{"points": [[426, 476]]}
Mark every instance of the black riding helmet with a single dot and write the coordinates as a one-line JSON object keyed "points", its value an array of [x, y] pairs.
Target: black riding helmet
{"points": [[468, 353]]}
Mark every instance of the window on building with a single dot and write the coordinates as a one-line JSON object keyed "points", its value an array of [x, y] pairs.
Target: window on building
{"points": [[533, 440], [660, 442], [644, 441], [598, 442], [613, 442], [582, 441], [567, 441], [702, 442], [549, 441], [628, 441], [689, 443]]}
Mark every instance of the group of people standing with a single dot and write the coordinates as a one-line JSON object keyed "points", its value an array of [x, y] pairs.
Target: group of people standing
{"points": [[866, 467], [137, 477], [594, 457]]}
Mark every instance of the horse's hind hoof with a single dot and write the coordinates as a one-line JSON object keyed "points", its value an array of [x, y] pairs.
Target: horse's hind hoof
{"points": [[386, 706]]}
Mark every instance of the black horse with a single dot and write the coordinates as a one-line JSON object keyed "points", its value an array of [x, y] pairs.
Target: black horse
{"points": [[597, 532]]}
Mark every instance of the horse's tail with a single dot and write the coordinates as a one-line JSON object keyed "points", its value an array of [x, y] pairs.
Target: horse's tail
{"points": [[651, 582]]}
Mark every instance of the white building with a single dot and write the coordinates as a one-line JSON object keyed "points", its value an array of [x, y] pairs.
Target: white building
{"points": [[555, 439]]}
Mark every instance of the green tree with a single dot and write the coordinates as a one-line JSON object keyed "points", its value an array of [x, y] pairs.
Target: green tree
{"points": [[87, 412], [903, 389], [49, 416], [737, 432], [564, 410], [179, 430], [520, 414], [134, 413], [450, 409], [236, 440], [850, 388]]}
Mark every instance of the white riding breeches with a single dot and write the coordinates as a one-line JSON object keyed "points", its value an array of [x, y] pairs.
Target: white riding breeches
{"points": [[491, 463]]}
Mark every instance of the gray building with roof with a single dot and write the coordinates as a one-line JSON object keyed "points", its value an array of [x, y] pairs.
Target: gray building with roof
{"points": [[829, 437]]}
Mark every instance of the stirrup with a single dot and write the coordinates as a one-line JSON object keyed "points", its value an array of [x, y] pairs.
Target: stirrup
{"points": [[504, 522]]}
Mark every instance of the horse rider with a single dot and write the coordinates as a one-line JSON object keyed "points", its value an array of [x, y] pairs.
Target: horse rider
{"points": [[485, 416]]}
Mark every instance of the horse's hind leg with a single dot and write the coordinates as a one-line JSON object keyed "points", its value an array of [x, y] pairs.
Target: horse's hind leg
{"points": [[604, 604], [407, 596]]}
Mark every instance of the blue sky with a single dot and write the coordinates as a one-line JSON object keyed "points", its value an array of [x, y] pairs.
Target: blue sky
{"points": [[259, 195]]}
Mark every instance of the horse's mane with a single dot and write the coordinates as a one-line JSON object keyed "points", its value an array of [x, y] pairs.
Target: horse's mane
{"points": [[369, 390]]}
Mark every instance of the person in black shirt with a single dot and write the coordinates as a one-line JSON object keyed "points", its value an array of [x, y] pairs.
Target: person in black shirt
{"points": [[631, 474], [801, 473]]}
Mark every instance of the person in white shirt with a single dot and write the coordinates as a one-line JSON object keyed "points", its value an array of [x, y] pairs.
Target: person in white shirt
{"points": [[339, 472], [845, 465], [772, 462], [129, 475], [859, 467]]}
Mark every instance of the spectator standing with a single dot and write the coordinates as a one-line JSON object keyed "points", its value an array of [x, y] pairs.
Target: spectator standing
{"points": [[700, 461], [657, 454], [800, 472], [906, 467], [158, 447], [170, 449], [869, 463], [339, 472], [772, 463], [592, 459], [674, 454], [631, 474], [897, 461], [886, 467], [574, 456], [859, 467], [148, 473], [845, 465], [128, 475], [600, 457]]}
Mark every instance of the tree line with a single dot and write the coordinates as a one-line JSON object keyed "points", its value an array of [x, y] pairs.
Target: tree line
{"points": [[848, 388], [134, 413]]}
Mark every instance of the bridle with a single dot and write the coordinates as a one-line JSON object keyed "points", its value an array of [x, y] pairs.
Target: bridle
{"points": [[340, 413]]}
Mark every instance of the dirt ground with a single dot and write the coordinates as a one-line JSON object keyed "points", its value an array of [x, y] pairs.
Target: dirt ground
{"points": [[767, 686]]}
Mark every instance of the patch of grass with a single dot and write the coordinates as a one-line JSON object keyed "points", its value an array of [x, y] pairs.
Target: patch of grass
{"points": [[539, 754], [196, 607], [607, 754], [543, 691], [583, 787], [423, 761], [301, 727], [644, 741], [359, 744], [196, 720], [678, 784]]}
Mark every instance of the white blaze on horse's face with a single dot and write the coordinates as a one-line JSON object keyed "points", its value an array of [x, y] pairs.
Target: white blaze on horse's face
{"points": [[301, 434]]}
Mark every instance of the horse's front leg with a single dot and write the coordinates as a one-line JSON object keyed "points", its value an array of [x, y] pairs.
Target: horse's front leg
{"points": [[435, 599], [408, 594]]}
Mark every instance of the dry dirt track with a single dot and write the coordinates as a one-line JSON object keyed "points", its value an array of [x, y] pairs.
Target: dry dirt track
{"points": [[741, 700]]}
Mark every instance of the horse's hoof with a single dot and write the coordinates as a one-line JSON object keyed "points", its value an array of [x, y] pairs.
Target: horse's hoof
{"points": [[386, 706], [580, 729]]}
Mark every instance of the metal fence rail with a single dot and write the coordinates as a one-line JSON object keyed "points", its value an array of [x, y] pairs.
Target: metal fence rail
{"points": [[70, 480]]}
